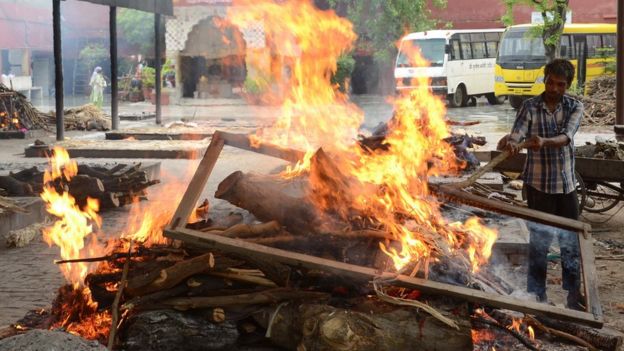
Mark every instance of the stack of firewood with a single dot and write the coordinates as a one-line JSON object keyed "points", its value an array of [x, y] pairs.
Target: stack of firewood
{"points": [[114, 187], [599, 102], [85, 117], [14, 105]]}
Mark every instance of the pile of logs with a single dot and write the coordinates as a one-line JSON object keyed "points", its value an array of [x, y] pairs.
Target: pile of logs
{"points": [[14, 105], [85, 117], [599, 102], [114, 187]]}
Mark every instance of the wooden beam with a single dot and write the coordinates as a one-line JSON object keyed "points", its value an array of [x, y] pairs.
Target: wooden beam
{"points": [[590, 277], [521, 212], [241, 247], [198, 182], [242, 141]]}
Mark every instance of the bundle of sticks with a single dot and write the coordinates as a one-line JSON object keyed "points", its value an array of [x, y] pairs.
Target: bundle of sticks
{"points": [[14, 105], [114, 187], [85, 117]]}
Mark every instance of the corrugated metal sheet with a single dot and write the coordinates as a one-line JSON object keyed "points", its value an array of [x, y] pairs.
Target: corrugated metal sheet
{"points": [[164, 7]]}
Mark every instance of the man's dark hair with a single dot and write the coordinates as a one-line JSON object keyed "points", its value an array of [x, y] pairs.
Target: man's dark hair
{"points": [[562, 68]]}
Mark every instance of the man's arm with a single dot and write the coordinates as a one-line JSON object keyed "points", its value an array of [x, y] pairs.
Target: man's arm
{"points": [[568, 130]]}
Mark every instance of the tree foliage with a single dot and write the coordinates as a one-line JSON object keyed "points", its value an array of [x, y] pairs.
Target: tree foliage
{"points": [[554, 16], [381, 23], [137, 28]]}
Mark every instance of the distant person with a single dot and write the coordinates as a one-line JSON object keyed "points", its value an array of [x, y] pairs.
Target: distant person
{"points": [[547, 124], [97, 83]]}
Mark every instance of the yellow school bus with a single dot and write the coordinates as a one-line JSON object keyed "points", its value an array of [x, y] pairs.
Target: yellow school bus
{"points": [[519, 69]]}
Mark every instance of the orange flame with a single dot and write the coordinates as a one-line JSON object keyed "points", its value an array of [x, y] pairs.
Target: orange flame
{"points": [[73, 224], [531, 332], [387, 186]]}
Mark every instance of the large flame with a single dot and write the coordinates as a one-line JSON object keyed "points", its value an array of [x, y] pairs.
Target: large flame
{"points": [[388, 186], [73, 224]]}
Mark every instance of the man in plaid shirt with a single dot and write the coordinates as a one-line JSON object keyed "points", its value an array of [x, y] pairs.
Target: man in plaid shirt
{"points": [[547, 124]]}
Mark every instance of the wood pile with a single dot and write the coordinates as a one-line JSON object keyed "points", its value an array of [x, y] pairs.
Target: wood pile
{"points": [[114, 187], [85, 117], [603, 149], [599, 102], [14, 105]]}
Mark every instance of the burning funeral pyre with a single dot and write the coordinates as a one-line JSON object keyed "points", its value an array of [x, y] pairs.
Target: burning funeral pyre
{"points": [[343, 205]]}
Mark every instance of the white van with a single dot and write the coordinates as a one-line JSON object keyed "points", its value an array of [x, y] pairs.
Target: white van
{"points": [[461, 63]]}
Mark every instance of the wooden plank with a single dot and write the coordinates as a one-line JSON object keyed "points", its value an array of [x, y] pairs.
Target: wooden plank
{"points": [[590, 277], [241, 141], [198, 183], [521, 212], [237, 246]]}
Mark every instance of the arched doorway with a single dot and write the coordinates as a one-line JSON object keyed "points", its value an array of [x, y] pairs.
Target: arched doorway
{"points": [[212, 64]]}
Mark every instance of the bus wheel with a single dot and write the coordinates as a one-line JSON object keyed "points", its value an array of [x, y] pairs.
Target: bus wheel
{"points": [[495, 100], [515, 101], [459, 99]]}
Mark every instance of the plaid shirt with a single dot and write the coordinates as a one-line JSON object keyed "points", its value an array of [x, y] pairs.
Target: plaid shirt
{"points": [[550, 169]]}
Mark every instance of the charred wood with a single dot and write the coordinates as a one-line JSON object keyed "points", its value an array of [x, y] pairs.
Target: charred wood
{"points": [[167, 330]]}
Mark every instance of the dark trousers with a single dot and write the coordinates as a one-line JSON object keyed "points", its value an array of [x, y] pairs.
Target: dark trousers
{"points": [[564, 205]]}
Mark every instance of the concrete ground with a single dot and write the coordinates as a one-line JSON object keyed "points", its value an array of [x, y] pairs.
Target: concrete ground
{"points": [[29, 278]]}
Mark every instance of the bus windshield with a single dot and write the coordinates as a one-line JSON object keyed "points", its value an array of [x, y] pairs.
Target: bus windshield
{"points": [[519, 45], [431, 50]]}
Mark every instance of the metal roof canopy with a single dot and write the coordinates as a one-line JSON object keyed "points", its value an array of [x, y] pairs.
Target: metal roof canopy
{"points": [[163, 7]]}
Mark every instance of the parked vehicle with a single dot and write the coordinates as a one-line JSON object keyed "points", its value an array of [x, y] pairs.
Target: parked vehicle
{"points": [[461, 63], [519, 72]]}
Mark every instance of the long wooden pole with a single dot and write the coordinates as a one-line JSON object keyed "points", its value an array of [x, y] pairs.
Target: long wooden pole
{"points": [[58, 69], [112, 19], [158, 64]]}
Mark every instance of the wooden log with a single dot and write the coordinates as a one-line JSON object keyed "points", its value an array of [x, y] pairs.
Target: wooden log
{"points": [[271, 198], [108, 200], [175, 331], [257, 298], [81, 186], [600, 339], [28, 175], [309, 326], [15, 187], [172, 276], [252, 230]]}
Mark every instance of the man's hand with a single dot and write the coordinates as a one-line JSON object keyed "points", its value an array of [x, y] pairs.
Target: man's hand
{"points": [[509, 145], [534, 143]]}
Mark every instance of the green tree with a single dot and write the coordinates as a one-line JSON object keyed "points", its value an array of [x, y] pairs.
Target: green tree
{"points": [[554, 18], [379, 24], [137, 29]]}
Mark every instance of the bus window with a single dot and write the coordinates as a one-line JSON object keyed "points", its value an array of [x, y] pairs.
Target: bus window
{"points": [[455, 51], [431, 50], [609, 41], [466, 51], [492, 47], [593, 43], [519, 45], [478, 50], [494, 36], [565, 47]]}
